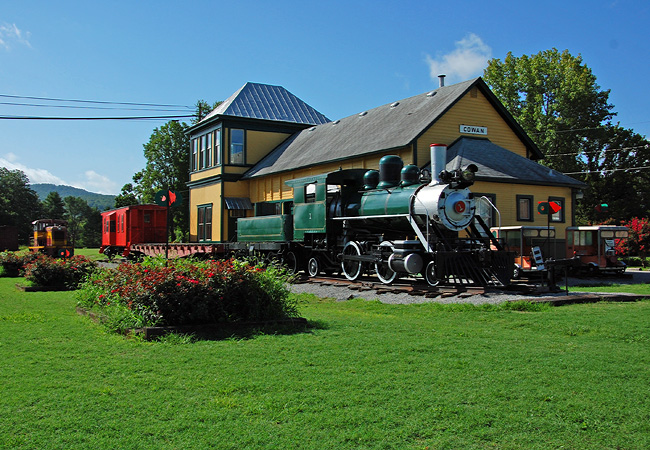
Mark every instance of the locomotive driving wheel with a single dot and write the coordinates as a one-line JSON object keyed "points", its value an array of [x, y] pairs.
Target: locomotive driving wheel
{"points": [[290, 261], [385, 274], [430, 274], [313, 266], [351, 268]]}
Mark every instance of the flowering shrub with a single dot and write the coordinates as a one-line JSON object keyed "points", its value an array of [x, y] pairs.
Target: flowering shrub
{"points": [[13, 263], [638, 241], [70, 273], [185, 292]]}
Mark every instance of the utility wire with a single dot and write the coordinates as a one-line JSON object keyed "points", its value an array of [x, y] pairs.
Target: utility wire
{"points": [[94, 101], [94, 118], [40, 105], [600, 151], [607, 170]]}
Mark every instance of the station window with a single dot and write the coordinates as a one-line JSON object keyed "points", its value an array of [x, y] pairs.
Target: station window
{"points": [[208, 150], [236, 146], [194, 161], [204, 232], [558, 216], [525, 208], [217, 147]]}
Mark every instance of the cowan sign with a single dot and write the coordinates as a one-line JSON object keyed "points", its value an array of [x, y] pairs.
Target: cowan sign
{"points": [[471, 129]]}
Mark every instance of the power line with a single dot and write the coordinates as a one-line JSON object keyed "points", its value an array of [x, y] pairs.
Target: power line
{"points": [[646, 146], [40, 105], [606, 170], [93, 101], [95, 118]]}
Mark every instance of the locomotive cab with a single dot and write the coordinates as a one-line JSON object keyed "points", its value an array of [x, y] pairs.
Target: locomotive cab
{"points": [[51, 237]]}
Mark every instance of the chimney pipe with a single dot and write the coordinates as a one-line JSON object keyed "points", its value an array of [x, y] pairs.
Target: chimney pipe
{"points": [[441, 77], [438, 162]]}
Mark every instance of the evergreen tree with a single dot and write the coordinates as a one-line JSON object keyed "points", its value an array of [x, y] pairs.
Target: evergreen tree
{"points": [[53, 206]]}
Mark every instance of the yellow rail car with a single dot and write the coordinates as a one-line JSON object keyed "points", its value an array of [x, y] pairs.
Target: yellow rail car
{"points": [[51, 238]]}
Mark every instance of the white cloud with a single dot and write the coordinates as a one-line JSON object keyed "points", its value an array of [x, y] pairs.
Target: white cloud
{"points": [[92, 181], [10, 34], [467, 60], [35, 175], [95, 182]]}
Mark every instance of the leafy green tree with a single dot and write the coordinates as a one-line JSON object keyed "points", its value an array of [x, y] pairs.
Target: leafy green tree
{"points": [[91, 229], [19, 204], [127, 196], [76, 212], [167, 154], [202, 109], [53, 206], [554, 96]]}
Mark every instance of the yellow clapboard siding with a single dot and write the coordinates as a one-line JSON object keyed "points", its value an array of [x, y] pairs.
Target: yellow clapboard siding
{"points": [[470, 111]]}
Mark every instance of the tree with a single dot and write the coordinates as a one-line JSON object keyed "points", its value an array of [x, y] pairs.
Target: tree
{"points": [[76, 211], [555, 98], [202, 109], [127, 196], [19, 204], [53, 206], [167, 154]]}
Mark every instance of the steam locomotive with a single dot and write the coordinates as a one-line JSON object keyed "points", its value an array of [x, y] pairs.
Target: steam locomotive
{"points": [[397, 221], [387, 221]]}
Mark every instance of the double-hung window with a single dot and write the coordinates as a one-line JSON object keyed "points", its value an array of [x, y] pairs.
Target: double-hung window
{"points": [[525, 208], [236, 146], [204, 231], [217, 147]]}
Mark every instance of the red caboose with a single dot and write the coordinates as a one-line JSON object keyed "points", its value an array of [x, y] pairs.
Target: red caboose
{"points": [[137, 224]]}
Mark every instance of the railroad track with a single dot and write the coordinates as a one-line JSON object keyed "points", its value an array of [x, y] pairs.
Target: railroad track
{"points": [[412, 287]]}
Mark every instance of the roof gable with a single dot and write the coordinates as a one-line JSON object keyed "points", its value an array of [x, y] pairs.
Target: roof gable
{"points": [[498, 164], [387, 127], [263, 101]]}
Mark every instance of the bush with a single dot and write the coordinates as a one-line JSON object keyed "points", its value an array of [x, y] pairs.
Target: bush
{"points": [[69, 273], [187, 292], [638, 241], [13, 263]]}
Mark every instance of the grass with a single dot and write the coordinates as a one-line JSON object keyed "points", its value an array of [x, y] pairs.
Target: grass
{"points": [[366, 376], [641, 289]]}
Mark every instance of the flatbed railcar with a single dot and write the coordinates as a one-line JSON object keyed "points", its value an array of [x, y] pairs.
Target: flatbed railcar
{"points": [[392, 222]]}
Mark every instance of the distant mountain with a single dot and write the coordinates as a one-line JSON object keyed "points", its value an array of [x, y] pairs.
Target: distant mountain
{"points": [[100, 201]]}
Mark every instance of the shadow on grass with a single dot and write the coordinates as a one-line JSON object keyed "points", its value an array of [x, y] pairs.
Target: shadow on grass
{"points": [[229, 331]]}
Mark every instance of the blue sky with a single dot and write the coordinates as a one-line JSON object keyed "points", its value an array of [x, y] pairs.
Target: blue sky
{"points": [[341, 57]]}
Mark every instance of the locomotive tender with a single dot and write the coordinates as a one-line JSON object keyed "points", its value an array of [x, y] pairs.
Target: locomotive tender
{"points": [[355, 221]]}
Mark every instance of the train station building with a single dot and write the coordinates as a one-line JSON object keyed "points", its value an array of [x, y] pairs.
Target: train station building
{"points": [[244, 152]]}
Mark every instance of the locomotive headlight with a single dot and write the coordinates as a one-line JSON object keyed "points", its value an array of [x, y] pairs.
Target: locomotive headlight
{"points": [[468, 173]]}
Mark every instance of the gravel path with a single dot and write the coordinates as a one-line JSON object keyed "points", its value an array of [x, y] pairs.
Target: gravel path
{"points": [[342, 293]]}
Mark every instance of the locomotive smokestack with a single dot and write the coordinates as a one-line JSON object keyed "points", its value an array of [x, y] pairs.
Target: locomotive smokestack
{"points": [[441, 78], [438, 162]]}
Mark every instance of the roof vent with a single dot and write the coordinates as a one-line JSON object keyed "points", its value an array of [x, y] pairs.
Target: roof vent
{"points": [[432, 93], [441, 79], [393, 105], [337, 121], [312, 128], [363, 113]]}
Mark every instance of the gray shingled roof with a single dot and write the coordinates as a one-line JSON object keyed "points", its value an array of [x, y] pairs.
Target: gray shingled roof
{"points": [[263, 101], [496, 163], [390, 126]]}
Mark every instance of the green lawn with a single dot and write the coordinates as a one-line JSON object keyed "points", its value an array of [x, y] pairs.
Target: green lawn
{"points": [[366, 376]]}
